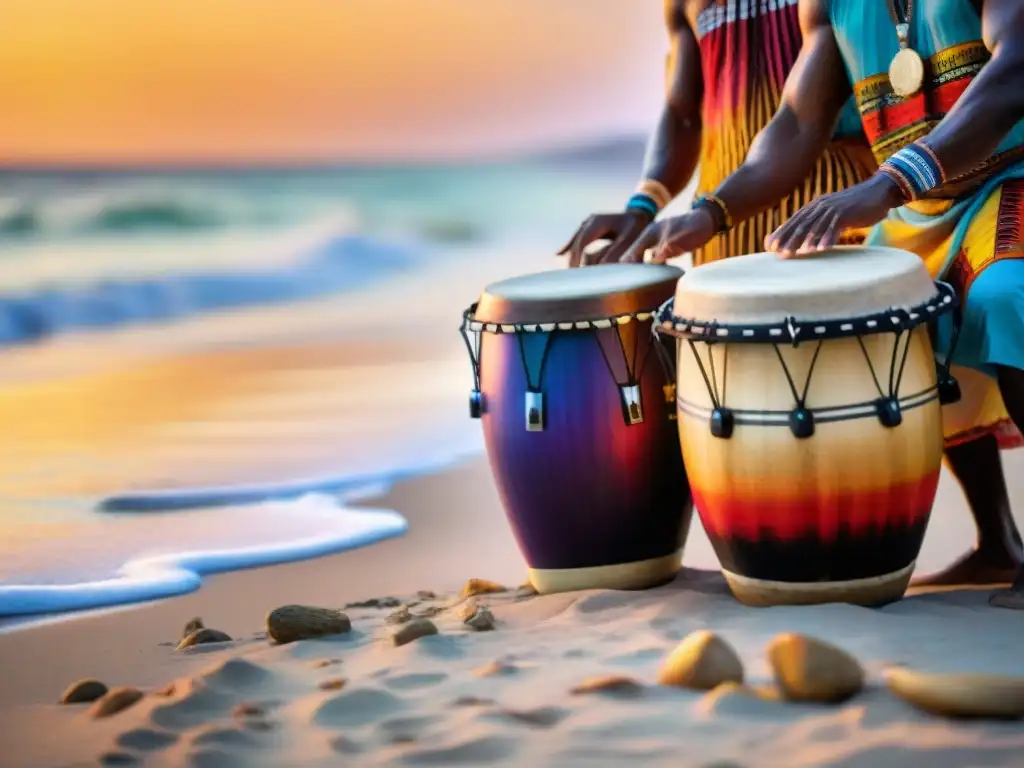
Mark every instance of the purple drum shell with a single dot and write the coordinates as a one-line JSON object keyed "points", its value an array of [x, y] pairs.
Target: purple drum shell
{"points": [[589, 490]]}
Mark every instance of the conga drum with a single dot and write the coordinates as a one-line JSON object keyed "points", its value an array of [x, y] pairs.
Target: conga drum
{"points": [[578, 418], [809, 418]]}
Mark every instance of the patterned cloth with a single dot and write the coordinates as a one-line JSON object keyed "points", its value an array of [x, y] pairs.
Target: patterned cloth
{"points": [[747, 49], [968, 232]]}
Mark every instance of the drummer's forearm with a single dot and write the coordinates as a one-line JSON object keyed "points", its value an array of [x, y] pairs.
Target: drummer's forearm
{"points": [[994, 103], [780, 158], [673, 150]]}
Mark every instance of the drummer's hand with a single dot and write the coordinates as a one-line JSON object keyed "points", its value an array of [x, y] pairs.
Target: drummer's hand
{"points": [[621, 228], [673, 237], [819, 224]]}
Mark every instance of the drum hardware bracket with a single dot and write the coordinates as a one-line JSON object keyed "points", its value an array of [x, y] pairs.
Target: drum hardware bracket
{"points": [[801, 422], [535, 415], [632, 411], [889, 411], [476, 404], [722, 423]]}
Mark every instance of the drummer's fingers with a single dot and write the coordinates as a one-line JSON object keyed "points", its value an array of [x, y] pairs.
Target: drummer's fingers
{"points": [[568, 243], [618, 247], [831, 234], [818, 225], [791, 235], [593, 229], [649, 238]]}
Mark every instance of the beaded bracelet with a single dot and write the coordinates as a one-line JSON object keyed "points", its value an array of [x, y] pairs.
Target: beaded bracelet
{"points": [[714, 201], [915, 169], [643, 203]]}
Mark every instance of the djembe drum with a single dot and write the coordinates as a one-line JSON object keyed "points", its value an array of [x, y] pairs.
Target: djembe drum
{"points": [[809, 418], [579, 424]]}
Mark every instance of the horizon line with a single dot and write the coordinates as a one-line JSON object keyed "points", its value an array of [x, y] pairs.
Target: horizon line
{"points": [[8, 165]]}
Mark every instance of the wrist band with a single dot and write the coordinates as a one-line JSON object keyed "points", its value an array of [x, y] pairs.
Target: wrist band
{"points": [[643, 203], [915, 169], [655, 190], [713, 201]]}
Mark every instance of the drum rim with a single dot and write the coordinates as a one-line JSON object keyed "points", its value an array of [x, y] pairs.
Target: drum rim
{"points": [[471, 324], [795, 330]]}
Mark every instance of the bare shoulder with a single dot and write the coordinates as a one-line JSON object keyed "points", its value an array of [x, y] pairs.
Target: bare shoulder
{"points": [[1002, 22], [814, 15], [678, 14]]}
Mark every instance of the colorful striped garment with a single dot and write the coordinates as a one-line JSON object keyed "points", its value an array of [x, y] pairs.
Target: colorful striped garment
{"points": [[747, 49], [970, 230]]}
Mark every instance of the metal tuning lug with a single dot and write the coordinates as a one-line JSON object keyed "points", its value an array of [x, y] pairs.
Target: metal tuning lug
{"points": [[949, 389], [889, 413], [476, 404], [631, 407], [801, 423], [722, 423], [535, 416]]}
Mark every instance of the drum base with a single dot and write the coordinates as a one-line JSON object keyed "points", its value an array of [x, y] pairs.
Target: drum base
{"points": [[871, 592], [643, 574]]}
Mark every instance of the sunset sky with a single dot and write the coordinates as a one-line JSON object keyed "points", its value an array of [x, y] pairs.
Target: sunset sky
{"points": [[222, 80]]}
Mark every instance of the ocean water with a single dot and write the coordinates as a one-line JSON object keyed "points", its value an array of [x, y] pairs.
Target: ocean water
{"points": [[93, 251]]}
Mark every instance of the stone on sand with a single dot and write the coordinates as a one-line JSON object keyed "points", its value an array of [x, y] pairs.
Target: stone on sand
{"points": [[400, 615], [482, 587], [959, 695], [812, 670], [413, 630], [482, 620], [203, 636], [702, 661], [290, 623], [83, 692], [115, 700], [193, 626], [614, 684]]}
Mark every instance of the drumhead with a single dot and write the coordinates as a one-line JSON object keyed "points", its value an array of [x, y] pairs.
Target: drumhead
{"points": [[844, 283], [569, 295]]}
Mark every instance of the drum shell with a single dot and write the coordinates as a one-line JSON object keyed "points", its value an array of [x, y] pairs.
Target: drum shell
{"points": [[589, 491], [848, 504]]}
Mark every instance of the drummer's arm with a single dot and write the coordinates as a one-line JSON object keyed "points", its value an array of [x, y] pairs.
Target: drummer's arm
{"points": [[994, 103], [787, 149], [674, 148]]}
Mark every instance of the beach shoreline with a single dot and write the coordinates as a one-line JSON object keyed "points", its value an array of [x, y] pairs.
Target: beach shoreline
{"points": [[457, 531]]}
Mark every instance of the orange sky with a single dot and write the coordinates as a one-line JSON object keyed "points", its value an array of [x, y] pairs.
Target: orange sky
{"points": [[150, 80]]}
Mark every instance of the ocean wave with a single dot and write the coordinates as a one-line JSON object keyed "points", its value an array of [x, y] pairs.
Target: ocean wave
{"points": [[169, 575], [341, 263], [328, 503]]}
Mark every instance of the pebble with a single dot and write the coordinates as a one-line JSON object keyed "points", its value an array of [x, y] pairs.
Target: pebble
{"points": [[376, 602], [812, 670], [702, 661], [482, 620], [301, 622], [959, 695], [193, 626], [482, 587], [617, 684], [116, 700], [413, 630], [399, 616], [334, 684], [83, 692], [202, 637]]}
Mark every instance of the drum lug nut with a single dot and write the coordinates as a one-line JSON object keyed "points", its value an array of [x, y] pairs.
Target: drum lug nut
{"points": [[949, 389], [535, 416], [889, 413], [476, 404], [722, 423], [801, 423]]}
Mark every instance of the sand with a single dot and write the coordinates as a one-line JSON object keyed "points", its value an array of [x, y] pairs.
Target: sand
{"points": [[500, 697]]}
